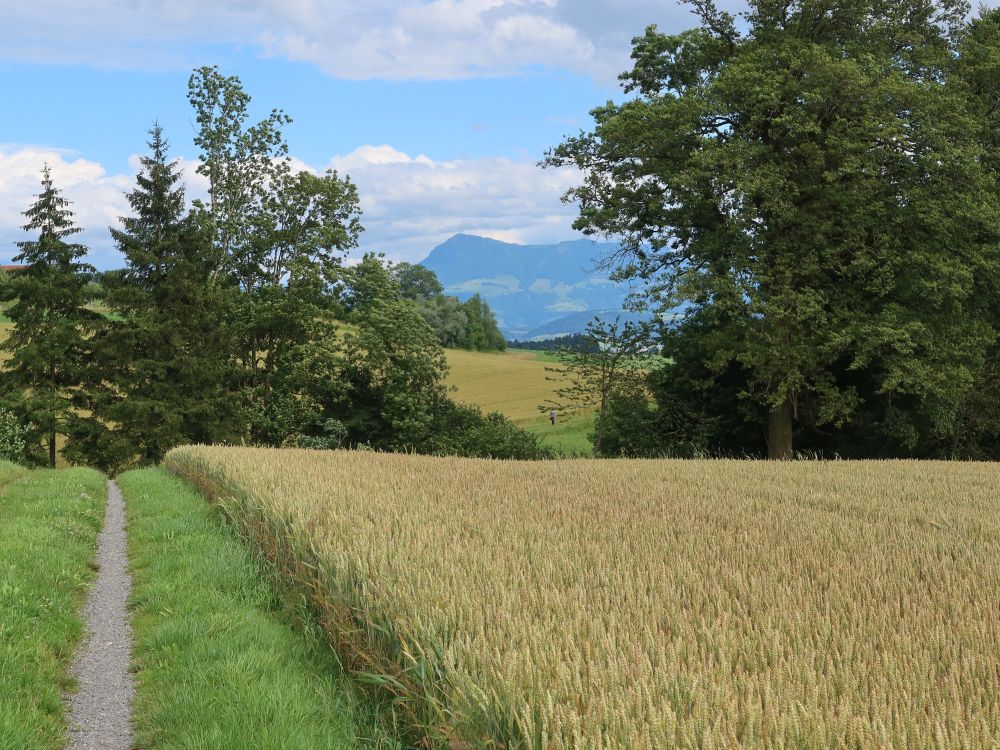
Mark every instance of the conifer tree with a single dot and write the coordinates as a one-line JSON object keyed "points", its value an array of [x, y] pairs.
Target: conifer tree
{"points": [[160, 367], [51, 323]]}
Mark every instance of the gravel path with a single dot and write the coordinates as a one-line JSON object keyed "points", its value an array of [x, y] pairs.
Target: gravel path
{"points": [[100, 713]]}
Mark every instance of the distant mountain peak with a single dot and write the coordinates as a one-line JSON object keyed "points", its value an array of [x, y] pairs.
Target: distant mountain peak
{"points": [[528, 286]]}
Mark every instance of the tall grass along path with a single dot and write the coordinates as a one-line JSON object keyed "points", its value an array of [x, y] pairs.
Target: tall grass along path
{"points": [[100, 712]]}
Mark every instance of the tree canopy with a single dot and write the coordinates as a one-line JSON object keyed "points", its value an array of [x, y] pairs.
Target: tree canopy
{"points": [[817, 182]]}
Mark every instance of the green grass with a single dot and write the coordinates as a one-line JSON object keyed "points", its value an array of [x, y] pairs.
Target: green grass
{"points": [[568, 438], [48, 533], [219, 662]]}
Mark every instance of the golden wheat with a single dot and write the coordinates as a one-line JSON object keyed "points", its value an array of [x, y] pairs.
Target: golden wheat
{"points": [[646, 604]]}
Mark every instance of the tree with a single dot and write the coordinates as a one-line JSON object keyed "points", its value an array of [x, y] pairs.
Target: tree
{"points": [[816, 180], [160, 372], [591, 374], [238, 160], [378, 382], [11, 437], [278, 234], [415, 281], [482, 334], [51, 323], [446, 317], [307, 223]]}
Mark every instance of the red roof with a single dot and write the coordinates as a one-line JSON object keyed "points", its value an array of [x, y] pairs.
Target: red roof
{"points": [[11, 268]]}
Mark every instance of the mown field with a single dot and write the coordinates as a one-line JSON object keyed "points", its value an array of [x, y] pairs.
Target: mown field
{"points": [[514, 383], [643, 604]]}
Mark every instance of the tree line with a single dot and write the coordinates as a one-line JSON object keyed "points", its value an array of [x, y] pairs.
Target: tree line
{"points": [[819, 180], [234, 319], [458, 325]]}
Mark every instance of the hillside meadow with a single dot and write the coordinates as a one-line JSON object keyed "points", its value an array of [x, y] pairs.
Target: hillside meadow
{"points": [[515, 383], [628, 604]]}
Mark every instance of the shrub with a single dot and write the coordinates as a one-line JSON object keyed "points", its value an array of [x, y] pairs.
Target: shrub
{"points": [[11, 437]]}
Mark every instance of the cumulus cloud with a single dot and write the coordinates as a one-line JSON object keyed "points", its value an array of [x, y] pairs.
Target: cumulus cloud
{"points": [[391, 39], [410, 203], [97, 197]]}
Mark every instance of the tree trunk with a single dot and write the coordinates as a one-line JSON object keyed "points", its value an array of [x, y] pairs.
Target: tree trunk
{"points": [[52, 450], [779, 431], [599, 438]]}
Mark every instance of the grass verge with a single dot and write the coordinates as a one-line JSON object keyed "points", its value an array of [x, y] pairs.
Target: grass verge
{"points": [[219, 662], [49, 522], [643, 604]]}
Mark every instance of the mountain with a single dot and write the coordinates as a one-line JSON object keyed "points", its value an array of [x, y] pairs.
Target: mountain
{"points": [[532, 288], [577, 322]]}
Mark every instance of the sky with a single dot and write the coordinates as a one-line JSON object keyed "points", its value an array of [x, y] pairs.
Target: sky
{"points": [[439, 110]]}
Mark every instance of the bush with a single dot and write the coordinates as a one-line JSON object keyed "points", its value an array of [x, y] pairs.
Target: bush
{"points": [[637, 427], [464, 430], [12, 433]]}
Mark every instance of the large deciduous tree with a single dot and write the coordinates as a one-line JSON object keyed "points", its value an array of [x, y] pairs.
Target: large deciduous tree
{"points": [[279, 234], [813, 181], [51, 323]]}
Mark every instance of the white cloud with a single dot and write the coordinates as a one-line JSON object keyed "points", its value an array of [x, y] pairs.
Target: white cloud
{"points": [[391, 39], [97, 198], [410, 203], [436, 40]]}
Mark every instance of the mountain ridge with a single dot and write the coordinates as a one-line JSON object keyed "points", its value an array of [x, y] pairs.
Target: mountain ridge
{"points": [[529, 287]]}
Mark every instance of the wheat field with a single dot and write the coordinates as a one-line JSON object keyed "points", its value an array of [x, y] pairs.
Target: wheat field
{"points": [[643, 604]]}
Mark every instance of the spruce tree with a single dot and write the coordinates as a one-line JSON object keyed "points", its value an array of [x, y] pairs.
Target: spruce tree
{"points": [[160, 365], [51, 324]]}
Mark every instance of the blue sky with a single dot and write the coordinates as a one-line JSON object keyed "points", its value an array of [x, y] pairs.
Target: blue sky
{"points": [[107, 112], [438, 109]]}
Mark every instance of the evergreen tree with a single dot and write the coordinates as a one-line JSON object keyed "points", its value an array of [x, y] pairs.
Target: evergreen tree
{"points": [[51, 323], [160, 374]]}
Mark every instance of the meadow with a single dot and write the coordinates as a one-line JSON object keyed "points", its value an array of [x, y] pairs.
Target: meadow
{"points": [[515, 383], [222, 659], [626, 604]]}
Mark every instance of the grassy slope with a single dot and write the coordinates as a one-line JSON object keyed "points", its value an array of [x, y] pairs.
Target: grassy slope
{"points": [[217, 663], [48, 526], [515, 383]]}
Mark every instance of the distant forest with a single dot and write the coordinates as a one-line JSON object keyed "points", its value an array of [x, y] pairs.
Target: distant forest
{"points": [[577, 341]]}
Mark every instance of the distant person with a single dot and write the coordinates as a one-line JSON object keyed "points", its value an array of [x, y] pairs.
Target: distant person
{"points": [[552, 417]]}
